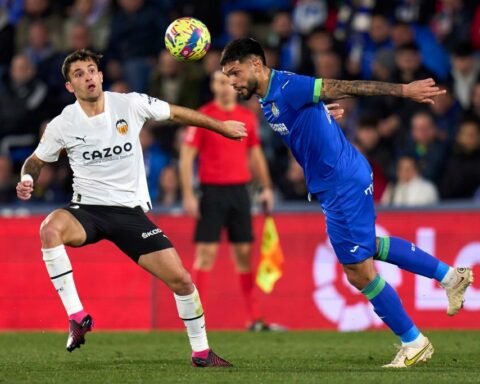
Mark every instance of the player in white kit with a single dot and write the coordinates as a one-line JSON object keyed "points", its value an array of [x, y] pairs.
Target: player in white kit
{"points": [[100, 133]]}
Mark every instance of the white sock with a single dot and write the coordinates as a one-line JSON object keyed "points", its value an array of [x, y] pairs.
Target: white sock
{"points": [[417, 343], [60, 271], [449, 279], [191, 312]]}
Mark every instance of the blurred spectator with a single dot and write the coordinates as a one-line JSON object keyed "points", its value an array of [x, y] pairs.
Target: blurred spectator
{"points": [[447, 114], [9, 14], [39, 48], [7, 182], [49, 187], [409, 65], [367, 141], [39, 11], [283, 39], [309, 14], [434, 56], [94, 15], [23, 103], [465, 72], [328, 65], [474, 111], [210, 64], [462, 175], [169, 192], [383, 65], [237, 26], [134, 40], [317, 42], [425, 147], [476, 28], [409, 11], [411, 189], [120, 87], [174, 82], [452, 22], [155, 160]]}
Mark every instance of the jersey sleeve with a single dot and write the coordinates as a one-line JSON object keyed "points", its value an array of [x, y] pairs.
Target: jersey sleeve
{"points": [[50, 145], [299, 90], [150, 107]]}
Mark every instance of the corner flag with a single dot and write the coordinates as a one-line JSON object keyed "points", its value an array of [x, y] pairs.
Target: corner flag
{"points": [[270, 268]]}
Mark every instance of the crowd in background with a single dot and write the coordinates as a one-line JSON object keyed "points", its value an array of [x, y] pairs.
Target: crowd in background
{"points": [[420, 154]]}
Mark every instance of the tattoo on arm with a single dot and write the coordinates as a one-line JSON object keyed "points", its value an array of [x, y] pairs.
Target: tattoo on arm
{"points": [[340, 89], [32, 166]]}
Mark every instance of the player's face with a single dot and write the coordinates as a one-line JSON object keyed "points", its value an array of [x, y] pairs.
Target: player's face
{"points": [[242, 77], [85, 81], [221, 88]]}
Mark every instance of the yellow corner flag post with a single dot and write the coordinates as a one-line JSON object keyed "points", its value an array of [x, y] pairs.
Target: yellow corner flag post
{"points": [[270, 268]]}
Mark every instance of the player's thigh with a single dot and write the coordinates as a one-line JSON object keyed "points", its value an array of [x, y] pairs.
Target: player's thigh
{"points": [[63, 223], [213, 212], [167, 266], [350, 219], [135, 234], [239, 218]]}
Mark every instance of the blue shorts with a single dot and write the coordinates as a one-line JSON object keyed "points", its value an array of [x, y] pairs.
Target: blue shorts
{"points": [[350, 216]]}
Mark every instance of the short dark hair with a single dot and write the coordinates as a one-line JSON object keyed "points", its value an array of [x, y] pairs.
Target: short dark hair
{"points": [[79, 55], [241, 49]]}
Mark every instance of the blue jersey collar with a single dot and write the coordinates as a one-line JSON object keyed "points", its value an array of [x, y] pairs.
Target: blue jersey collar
{"points": [[272, 73]]}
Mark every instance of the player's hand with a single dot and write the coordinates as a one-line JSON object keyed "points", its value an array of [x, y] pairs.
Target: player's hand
{"points": [[234, 130], [335, 111], [266, 199], [24, 189], [422, 91], [190, 205]]}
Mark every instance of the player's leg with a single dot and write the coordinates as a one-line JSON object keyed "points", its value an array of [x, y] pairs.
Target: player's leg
{"points": [[387, 305], [240, 235], [409, 257], [146, 244], [205, 255], [350, 217], [166, 265], [61, 228], [213, 211]]}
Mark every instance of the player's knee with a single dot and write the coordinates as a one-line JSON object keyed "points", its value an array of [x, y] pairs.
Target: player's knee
{"points": [[50, 233], [182, 283], [357, 278]]}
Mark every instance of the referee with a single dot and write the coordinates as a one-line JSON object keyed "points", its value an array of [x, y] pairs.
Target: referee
{"points": [[224, 172]]}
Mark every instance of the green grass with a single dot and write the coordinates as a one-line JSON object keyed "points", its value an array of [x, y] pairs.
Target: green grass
{"points": [[291, 357]]}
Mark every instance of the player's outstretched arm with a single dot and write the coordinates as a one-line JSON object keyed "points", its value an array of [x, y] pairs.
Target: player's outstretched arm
{"points": [[421, 91], [232, 129], [29, 175]]}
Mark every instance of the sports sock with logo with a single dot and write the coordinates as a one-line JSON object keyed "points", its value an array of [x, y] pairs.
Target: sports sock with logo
{"points": [[389, 308], [60, 271], [409, 257], [247, 283], [191, 312]]}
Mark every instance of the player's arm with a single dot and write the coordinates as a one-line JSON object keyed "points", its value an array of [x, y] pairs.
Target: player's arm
{"points": [[188, 154], [421, 91], [262, 175], [29, 175], [232, 129]]}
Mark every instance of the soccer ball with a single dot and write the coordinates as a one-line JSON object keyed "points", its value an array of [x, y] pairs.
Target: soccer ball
{"points": [[187, 39]]}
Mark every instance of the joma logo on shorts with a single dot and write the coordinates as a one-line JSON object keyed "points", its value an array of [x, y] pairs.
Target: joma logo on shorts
{"points": [[146, 235], [107, 152]]}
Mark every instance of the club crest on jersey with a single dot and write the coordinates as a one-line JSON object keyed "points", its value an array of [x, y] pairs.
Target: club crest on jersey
{"points": [[122, 126], [275, 110]]}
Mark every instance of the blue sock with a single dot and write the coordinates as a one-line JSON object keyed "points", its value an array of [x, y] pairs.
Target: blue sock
{"points": [[389, 308], [410, 258]]}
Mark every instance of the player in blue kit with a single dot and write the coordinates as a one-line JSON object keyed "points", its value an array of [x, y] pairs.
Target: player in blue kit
{"points": [[340, 178]]}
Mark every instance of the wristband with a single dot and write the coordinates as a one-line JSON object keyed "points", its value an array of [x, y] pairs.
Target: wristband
{"points": [[26, 177]]}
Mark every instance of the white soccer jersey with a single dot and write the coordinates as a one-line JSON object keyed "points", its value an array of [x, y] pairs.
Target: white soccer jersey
{"points": [[104, 150]]}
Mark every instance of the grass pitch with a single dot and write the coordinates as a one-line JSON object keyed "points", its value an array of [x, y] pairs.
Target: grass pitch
{"points": [[290, 357]]}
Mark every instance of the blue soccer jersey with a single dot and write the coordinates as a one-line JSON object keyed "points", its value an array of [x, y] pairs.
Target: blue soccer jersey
{"points": [[293, 109], [335, 172]]}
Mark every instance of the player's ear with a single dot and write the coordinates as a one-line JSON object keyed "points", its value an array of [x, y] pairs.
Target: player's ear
{"points": [[100, 73], [69, 87]]}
